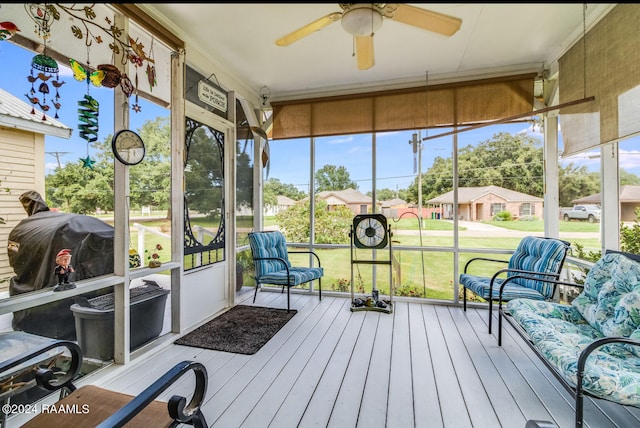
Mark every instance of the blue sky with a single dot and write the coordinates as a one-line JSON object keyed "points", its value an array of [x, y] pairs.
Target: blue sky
{"points": [[289, 159]]}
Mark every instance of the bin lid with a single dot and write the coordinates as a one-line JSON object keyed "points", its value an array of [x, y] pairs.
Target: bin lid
{"points": [[137, 294]]}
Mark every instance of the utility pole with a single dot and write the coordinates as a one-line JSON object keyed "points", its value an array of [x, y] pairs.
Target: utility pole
{"points": [[416, 143], [57, 155]]}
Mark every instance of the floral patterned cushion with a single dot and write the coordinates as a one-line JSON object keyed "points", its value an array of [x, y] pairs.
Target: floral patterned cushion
{"points": [[610, 301], [561, 333]]}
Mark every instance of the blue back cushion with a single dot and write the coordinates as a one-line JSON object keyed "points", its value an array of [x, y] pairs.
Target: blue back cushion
{"points": [[268, 244], [545, 255]]}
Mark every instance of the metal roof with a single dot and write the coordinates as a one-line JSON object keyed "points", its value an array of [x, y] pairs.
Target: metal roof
{"points": [[15, 113]]}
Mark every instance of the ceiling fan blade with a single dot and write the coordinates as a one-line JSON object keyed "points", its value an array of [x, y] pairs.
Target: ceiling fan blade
{"points": [[426, 19], [316, 25], [364, 52]]}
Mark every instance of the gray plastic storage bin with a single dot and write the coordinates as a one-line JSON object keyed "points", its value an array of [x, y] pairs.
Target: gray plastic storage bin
{"points": [[94, 324]]}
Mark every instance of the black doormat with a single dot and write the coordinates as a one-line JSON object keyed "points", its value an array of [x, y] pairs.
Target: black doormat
{"points": [[242, 329]]}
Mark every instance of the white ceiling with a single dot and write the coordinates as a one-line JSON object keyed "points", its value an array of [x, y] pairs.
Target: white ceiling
{"points": [[494, 39]]}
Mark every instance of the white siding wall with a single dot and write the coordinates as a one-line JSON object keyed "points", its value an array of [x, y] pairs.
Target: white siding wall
{"points": [[21, 169]]}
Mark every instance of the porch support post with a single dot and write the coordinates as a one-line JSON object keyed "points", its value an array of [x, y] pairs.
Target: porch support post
{"points": [[610, 186], [551, 211]]}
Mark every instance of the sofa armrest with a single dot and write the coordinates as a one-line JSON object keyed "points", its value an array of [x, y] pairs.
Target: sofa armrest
{"points": [[582, 361], [179, 409]]}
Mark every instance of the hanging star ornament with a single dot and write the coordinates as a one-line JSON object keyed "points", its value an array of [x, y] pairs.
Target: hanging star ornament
{"points": [[87, 162]]}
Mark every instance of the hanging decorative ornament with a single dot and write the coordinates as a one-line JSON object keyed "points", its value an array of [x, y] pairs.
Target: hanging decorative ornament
{"points": [[112, 75], [151, 69], [88, 112], [136, 107], [88, 107], [137, 56], [7, 30], [81, 74], [126, 85], [43, 15], [88, 129], [87, 162], [43, 68]]}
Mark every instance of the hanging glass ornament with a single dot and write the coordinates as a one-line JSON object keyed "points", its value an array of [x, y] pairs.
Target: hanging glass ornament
{"points": [[43, 68], [88, 112], [95, 77], [88, 129]]}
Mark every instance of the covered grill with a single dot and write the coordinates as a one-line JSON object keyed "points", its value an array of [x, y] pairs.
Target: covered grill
{"points": [[32, 248]]}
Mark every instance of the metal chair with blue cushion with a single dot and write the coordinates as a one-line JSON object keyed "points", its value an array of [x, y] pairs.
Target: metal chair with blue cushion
{"points": [[272, 265], [535, 257]]}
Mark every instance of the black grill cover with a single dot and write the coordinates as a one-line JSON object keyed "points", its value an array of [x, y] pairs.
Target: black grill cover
{"points": [[32, 248]]}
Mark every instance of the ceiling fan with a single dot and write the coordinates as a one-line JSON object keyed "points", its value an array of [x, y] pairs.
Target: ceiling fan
{"points": [[362, 20]]}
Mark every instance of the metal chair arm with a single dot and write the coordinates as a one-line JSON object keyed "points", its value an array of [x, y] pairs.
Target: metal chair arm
{"points": [[178, 409]]}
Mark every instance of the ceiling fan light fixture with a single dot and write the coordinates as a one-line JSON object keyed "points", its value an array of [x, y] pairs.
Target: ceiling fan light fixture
{"points": [[361, 20]]}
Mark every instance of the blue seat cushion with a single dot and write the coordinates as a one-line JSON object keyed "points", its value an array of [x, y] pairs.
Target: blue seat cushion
{"points": [[297, 276], [480, 286]]}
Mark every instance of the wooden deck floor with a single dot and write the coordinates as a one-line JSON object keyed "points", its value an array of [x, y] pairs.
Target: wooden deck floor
{"points": [[422, 366]]}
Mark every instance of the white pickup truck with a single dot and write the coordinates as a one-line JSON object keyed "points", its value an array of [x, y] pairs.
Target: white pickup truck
{"points": [[590, 213]]}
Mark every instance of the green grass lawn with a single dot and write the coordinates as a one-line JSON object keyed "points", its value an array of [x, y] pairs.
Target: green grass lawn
{"points": [[420, 274], [538, 226]]}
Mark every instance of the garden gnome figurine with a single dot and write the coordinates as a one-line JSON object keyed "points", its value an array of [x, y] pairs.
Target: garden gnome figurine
{"points": [[62, 270]]}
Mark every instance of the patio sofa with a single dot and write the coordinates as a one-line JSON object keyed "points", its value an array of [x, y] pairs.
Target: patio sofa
{"points": [[592, 344]]}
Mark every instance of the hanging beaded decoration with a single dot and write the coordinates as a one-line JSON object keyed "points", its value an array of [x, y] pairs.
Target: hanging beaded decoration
{"points": [[43, 67]]}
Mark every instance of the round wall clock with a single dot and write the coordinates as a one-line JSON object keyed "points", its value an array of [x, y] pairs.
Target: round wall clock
{"points": [[370, 231], [128, 147]]}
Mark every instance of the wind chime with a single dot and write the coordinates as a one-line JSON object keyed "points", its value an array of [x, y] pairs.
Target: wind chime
{"points": [[43, 67]]}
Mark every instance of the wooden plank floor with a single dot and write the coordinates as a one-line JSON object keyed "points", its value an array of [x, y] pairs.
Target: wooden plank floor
{"points": [[424, 365]]}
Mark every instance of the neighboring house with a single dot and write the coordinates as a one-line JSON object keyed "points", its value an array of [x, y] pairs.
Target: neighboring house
{"points": [[629, 201], [398, 208], [482, 203], [23, 163], [358, 202], [283, 203]]}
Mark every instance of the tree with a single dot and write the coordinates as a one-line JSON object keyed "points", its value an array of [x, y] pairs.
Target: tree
{"points": [[576, 182], [331, 177], [384, 194], [332, 226], [81, 190], [511, 161], [506, 160], [273, 188], [628, 178]]}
